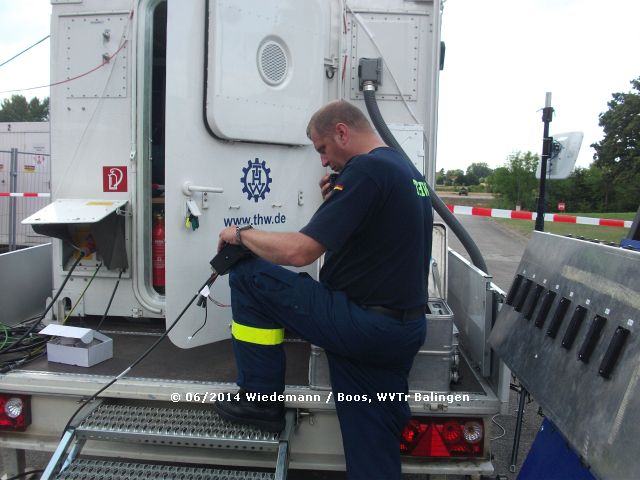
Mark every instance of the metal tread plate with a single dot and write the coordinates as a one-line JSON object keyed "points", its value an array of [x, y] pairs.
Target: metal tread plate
{"points": [[174, 426], [88, 469]]}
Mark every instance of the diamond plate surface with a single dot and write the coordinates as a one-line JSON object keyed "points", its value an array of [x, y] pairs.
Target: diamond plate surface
{"points": [[167, 425], [108, 470]]}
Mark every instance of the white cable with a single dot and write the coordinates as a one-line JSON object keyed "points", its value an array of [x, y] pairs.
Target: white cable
{"points": [[504, 432]]}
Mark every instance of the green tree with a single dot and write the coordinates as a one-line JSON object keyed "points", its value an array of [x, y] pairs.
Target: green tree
{"points": [[477, 172], [618, 153], [454, 177], [440, 177], [580, 192], [515, 183], [17, 109]]}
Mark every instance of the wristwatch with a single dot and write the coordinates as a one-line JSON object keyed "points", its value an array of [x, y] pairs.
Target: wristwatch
{"points": [[240, 229]]}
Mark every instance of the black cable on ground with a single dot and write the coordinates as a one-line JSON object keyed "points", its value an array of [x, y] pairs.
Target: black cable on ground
{"points": [[35, 344], [9, 348], [33, 347], [209, 281], [113, 294], [18, 363], [438, 205]]}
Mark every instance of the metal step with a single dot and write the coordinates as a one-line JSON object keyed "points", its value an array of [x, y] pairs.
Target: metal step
{"points": [[85, 469], [163, 424], [172, 425]]}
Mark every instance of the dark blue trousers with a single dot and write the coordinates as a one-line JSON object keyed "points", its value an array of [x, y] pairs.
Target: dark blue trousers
{"points": [[368, 353]]}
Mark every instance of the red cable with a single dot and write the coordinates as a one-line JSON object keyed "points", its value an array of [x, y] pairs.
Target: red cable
{"points": [[108, 60]]}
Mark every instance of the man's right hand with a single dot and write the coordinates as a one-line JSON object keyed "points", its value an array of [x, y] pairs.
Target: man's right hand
{"points": [[325, 186]]}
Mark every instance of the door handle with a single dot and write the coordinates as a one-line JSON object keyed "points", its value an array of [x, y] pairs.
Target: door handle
{"points": [[188, 188]]}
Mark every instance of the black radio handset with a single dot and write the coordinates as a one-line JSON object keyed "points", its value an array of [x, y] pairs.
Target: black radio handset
{"points": [[228, 257], [332, 179]]}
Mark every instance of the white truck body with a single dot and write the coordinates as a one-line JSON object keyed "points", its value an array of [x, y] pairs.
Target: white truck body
{"points": [[222, 106]]}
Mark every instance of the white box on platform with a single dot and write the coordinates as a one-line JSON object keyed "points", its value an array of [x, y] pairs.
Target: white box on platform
{"points": [[77, 346]]}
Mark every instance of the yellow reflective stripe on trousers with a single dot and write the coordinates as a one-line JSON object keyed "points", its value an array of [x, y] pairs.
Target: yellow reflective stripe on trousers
{"points": [[260, 336]]}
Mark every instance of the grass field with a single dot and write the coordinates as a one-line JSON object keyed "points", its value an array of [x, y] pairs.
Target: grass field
{"points": [[608, 234]]}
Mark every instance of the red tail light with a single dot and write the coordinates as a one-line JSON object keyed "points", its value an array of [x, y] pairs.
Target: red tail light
{"points": [[443, 437], [15, 412]]}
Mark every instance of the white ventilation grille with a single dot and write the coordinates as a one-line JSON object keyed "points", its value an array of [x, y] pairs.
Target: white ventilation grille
{"points": [[273, 63]]}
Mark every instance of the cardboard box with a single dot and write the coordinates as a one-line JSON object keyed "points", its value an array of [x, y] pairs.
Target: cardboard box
{"points": [[77, 346]]}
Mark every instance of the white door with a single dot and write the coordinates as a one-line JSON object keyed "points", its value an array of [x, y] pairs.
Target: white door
{"points": [[236, 117]]}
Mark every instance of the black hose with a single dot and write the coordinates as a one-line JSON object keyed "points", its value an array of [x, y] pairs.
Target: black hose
{"points": [[438, 205]]}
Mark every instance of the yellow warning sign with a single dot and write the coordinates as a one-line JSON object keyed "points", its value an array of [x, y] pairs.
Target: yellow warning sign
{"points": [[99, 204]]}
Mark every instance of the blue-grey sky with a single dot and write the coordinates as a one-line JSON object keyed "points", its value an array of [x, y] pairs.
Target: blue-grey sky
{"points": [[502, 56], [23, 23]]}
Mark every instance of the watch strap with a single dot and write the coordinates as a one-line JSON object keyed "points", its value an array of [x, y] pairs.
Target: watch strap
{"points": [[240, 228]]}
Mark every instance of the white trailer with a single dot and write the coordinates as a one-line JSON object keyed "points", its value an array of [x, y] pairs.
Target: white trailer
{"points": [[198, 110]]}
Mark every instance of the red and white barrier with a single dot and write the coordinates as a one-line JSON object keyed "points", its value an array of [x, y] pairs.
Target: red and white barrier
{"points": [[475, 211], [548, 217], [25, 194]]}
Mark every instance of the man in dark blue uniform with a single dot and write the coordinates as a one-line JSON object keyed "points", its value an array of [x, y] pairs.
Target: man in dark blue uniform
{"points": [[367, 311]]}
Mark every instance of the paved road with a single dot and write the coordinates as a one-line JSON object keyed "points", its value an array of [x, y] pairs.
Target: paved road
{"points": [[502, 248]]}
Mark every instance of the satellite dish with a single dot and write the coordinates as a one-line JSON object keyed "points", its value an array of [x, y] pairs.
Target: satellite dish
{"points": [[564, 152]]}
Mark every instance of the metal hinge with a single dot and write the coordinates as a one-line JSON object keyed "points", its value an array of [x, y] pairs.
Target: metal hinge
{"points": [[330, 66], [124, 212]]}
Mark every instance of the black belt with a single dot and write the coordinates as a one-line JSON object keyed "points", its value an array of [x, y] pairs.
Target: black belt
{"points": [[407, 314]]}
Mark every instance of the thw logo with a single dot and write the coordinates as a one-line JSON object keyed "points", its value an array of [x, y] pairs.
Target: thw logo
{"points": [[256, 180]]}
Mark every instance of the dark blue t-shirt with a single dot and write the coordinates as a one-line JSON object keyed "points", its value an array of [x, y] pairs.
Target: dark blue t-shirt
{"points": [[376, 227]]}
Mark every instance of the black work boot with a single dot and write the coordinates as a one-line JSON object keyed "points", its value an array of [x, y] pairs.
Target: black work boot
{"points": [[266, 415]]}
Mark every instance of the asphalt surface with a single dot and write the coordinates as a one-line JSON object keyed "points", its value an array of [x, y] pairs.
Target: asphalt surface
{"points": [[502, 250], [501, 247]]}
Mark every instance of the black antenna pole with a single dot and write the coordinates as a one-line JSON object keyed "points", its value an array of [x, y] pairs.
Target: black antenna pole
{"points": [[547, 116], [547, 141]]}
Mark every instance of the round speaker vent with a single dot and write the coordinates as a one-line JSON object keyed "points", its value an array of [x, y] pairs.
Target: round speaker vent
{"points": [[273, 63]]}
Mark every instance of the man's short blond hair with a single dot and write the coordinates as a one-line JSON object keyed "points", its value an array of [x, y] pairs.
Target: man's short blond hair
{"points": [[340, 111]]}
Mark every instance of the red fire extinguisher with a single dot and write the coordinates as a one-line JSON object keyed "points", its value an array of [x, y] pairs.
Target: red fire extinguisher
{"points": [[157, 252]]}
